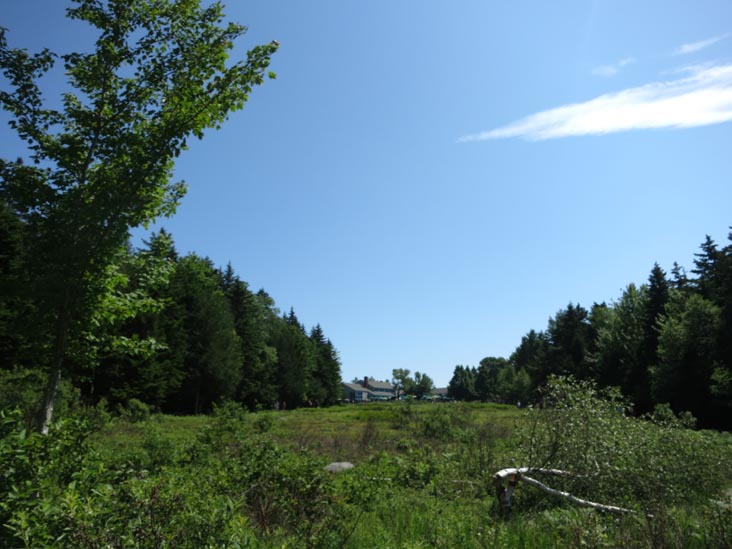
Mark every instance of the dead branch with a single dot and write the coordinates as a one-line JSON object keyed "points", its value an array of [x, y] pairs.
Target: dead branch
{"points": [[514, 475]]}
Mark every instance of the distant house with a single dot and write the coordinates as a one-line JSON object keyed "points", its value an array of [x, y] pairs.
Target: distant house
{"points": [[368, 390], [380, 390], [353, 392]]}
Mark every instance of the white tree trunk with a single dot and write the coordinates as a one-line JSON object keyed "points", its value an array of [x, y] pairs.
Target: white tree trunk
{"points": [[514, 475], [49, 401]]}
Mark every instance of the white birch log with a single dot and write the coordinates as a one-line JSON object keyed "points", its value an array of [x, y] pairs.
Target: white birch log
{"points": [[574, 499], [515, 474], [503, 474]]}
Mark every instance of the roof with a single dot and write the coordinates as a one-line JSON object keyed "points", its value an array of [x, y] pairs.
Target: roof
{"points": [[379, 384], [355, 387], [440, 391]]}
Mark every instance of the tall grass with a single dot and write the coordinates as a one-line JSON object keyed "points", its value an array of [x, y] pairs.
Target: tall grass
{"points": [[423, 478]]}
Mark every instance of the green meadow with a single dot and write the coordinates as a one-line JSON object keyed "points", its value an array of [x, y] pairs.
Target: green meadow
{"points": [[423, 475]]}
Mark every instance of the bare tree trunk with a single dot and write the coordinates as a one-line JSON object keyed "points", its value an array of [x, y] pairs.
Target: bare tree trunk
{"points": [[514, 475], [575, 499], [49, 401], [45, 415]]}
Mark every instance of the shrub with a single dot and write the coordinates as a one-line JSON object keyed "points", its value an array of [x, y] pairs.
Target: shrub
{"points": [[614, 458], [135, 411]]}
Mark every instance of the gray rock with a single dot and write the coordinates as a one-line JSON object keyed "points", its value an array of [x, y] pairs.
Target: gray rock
{"points": [[338, 466]]}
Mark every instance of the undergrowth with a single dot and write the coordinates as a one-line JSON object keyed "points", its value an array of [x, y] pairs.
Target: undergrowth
{"points": [[423, 477]]}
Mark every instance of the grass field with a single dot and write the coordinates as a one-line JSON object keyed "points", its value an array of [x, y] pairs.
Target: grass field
{"points": [[423, 477], [352, 432]]}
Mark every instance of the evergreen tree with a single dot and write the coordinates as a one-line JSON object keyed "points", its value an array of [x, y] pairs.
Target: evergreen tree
{"points": [[706, 268], [212, 361], [530, 355], [658, 296], [326, 379], [680, 280], [570, 338], [462, 384], [295, 361], [249, 324], [722, 375]]}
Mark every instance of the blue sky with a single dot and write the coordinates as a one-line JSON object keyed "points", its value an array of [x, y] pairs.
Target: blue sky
{"points": [[430, 180]]}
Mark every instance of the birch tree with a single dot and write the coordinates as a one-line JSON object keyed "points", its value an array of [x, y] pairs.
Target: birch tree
{"points": [[102, 162]]}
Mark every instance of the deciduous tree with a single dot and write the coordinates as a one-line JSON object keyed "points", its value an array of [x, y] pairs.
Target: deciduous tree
{"points": [[688, 355], [423, 384], [102, 162], [402, 381]]}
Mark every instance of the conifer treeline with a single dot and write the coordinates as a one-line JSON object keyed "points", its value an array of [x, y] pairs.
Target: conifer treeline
{"points": [[174, 332], [666, 341]]}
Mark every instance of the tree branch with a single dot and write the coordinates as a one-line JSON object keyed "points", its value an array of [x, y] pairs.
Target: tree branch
{"points": [[514, 475]]}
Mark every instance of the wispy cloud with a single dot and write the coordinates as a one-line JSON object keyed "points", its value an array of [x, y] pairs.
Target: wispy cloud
{"points": [[699, 100], [612, 69], [696, 46]]}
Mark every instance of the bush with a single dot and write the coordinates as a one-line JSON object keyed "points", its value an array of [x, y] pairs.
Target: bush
{"points": [[614, 458], [135, 411], [42, 476], [263, 422]]}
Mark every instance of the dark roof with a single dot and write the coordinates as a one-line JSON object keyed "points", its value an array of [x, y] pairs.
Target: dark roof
{"points": [[355, 387], [380, 385], [440, 391]]}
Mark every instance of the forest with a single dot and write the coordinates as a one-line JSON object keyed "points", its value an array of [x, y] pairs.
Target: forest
{"points": [[668, 341], [175, 333]]}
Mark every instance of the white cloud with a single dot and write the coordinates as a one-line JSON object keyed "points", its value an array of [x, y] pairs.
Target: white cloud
{"points": [[696, 46], [613, 69], [699, 100]]}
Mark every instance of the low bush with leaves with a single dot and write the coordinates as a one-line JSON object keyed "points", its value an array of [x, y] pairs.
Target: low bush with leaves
{"points": [[644, 463]]}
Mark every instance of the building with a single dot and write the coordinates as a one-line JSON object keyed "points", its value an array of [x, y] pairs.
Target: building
{"points": [[381, 390], [354, 392], [367, 390]]}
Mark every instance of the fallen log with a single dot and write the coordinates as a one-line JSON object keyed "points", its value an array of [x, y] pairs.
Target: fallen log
{"points": [[514, 475]]}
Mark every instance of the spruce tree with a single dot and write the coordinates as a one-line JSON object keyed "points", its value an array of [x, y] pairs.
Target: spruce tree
{"points": [[249, 324], [569, 341], [212, 362], [531, 356], [295, 361], [462, 384], [706, 269], [326, 378], [658, 296]]}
